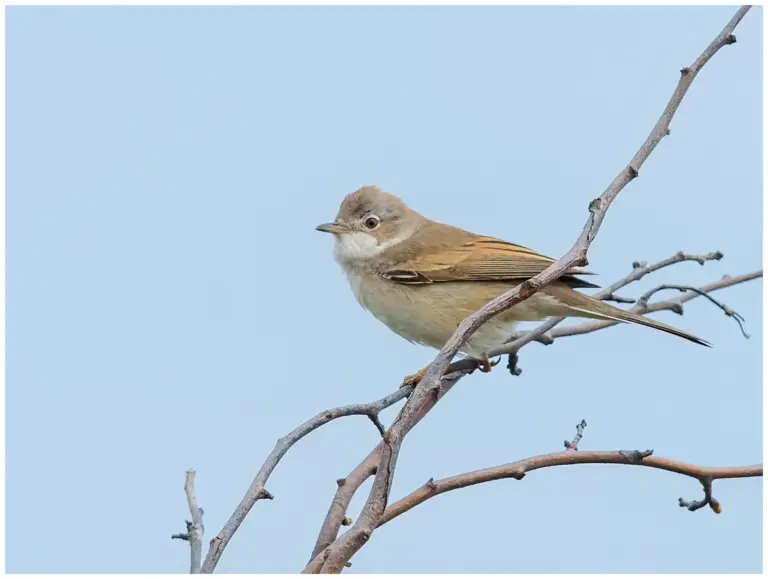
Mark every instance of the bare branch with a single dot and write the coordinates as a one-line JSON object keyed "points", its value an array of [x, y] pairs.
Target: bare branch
{"points": [[643, 302], [348, 486], [344, 547], [195, 528], [519, 469], [258, 491]]}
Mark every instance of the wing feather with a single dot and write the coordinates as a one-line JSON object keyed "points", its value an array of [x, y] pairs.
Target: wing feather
{"points": [[470, 257]]}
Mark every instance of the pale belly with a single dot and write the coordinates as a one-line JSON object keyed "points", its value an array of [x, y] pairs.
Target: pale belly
{"points": [[429, 314]]}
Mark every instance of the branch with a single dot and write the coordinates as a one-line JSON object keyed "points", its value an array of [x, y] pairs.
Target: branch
{"points": [[517, 470], [342, 550], [257, 491], [195, 528], [348, 486]]}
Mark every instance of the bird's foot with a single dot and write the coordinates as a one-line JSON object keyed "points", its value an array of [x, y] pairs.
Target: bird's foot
{"points": [[485, 365], [414, 379]]}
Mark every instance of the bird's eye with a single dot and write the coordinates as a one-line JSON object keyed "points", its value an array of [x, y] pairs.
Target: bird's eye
{"points": [[372, 222]]}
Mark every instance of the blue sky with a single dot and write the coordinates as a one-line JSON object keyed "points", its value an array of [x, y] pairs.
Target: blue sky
{"points": [[169, 304]]}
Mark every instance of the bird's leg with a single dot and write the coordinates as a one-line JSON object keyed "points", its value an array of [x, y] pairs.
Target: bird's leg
{"points": [[483, 364], [414, 379]]}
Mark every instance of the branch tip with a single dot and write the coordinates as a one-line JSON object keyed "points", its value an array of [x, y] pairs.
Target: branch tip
{"points": [[512, 366], [685, 288], [574, 444]]}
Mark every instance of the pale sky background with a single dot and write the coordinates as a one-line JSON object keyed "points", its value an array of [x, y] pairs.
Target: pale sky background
{"points": [[171, 306]]}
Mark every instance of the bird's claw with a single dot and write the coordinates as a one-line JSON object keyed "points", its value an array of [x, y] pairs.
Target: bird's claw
{"points": [[414, 379]]}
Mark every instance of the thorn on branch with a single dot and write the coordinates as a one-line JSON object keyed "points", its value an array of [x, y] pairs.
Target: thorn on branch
{"points": [[632, 172], [707, 500], [265, 494], [574, 444], [430, 484]]}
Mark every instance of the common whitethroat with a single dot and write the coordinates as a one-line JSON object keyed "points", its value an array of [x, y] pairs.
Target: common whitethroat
{"points": [[422, 278]]}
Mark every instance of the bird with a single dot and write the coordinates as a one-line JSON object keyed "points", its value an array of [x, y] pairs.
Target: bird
{"points": [[422, 278]]}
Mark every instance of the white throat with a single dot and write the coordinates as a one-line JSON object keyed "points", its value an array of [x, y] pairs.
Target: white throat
{"points": [[360, 246]]}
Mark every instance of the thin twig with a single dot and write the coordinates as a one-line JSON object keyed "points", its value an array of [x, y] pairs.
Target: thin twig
{"points": [[708, 499], [686, 288], [574, 444], [344, 547], [195, 528]]}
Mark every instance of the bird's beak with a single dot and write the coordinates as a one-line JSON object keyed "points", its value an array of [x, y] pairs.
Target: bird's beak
{"points": [[335, 228]]}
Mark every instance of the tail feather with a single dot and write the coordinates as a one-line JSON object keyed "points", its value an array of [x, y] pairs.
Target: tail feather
{"points": [[589, 307]]}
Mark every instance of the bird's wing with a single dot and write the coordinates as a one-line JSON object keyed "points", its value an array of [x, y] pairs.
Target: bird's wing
{"points": [[470, 257]]}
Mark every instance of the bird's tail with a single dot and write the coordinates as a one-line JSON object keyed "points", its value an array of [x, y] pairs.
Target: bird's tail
{"points": [[589, 307]]}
